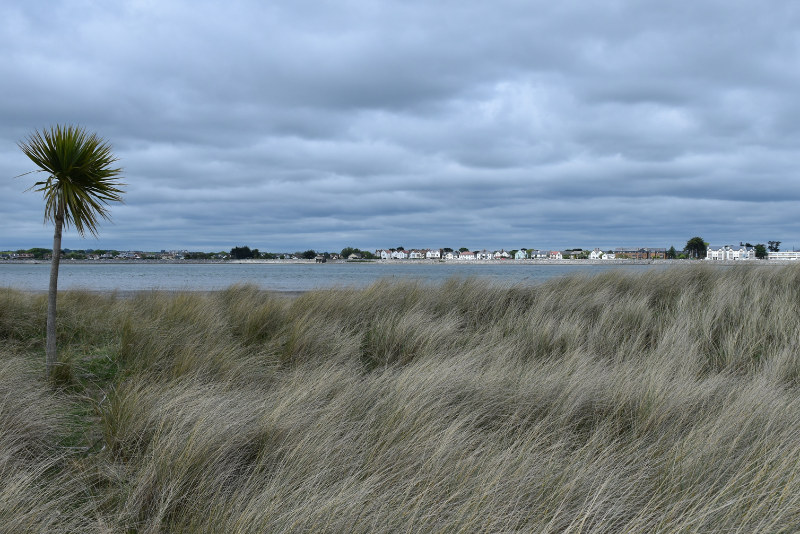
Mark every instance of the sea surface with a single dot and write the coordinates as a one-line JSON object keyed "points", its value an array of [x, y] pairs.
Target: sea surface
{"points": [[273, 276]]}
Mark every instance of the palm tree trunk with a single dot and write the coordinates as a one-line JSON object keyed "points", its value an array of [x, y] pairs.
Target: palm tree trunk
{"points": [[51, 357]]}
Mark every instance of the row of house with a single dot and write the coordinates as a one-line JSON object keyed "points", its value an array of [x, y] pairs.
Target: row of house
{"points": [[641, 253], [644, 253], [743, 252], [440, 254], [138, 255], [122, 256], [714, 253]]}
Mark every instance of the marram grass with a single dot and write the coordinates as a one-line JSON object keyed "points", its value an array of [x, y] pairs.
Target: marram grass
{"points": [[667, 401]]}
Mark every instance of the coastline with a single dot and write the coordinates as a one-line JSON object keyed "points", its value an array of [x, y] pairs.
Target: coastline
{"points": [[404, 262]]}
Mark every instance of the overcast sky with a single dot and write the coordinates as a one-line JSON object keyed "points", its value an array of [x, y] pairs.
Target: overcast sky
{"points": [[300, 124]]}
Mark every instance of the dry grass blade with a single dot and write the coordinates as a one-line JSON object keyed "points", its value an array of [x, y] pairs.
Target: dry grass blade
{"points": [[659, 402]]}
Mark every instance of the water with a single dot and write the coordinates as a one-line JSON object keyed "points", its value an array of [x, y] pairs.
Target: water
{"points": [[273, 276]]}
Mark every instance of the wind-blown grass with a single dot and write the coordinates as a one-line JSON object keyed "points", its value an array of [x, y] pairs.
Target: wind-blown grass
{"points": [[666, 401]]}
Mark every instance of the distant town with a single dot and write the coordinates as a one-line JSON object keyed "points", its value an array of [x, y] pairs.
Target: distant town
{"points": [[695, 248]]}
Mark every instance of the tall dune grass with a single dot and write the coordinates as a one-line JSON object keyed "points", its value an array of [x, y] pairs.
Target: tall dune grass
{"points": [[667, 401]]}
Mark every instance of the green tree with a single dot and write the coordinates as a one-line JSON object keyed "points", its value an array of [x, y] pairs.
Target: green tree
{"points": [[241, 253], [696, 247], [672, 253], [463, 249], [761, 251], [774, 246], [81, 181], [38, 253], [346, 251], [309, 254]]}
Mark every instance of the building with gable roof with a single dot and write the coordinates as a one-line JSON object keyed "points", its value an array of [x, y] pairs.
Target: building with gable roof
{"points": [[730, 253]]}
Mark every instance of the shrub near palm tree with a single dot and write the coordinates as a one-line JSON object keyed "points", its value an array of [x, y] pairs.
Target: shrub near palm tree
{"points": [[81, 183]]}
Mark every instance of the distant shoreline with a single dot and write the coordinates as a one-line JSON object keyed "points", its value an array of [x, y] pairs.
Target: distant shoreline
{"points": [[404, 262]]}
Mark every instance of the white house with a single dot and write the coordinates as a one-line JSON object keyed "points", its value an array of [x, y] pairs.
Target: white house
{"points": [[555, 255], [502, 254], [434, 254], [596, 254], [539, 254], [400, 254], [608, 256], [484, 255], [747, 253], [717, 253], [385, 254], [730, 253], [416, 255], [452, 255], [521, 255], [466, 255]]}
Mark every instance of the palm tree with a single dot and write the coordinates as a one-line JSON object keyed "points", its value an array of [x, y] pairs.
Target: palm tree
{"points": [[81, 182]]}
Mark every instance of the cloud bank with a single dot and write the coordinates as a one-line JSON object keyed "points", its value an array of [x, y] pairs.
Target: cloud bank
{"points": [[294, 125]]}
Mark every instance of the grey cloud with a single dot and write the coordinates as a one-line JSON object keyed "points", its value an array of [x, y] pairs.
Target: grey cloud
{"points": [[324, 124]]}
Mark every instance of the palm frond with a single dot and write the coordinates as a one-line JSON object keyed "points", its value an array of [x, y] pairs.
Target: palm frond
{"points": [[81, 177]]}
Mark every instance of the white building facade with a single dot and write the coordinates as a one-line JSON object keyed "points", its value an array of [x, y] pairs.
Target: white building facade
{"points": [[730, 253], [784, 255]]}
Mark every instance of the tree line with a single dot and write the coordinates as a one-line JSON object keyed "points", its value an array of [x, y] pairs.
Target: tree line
{"points": [[246, 253]]}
